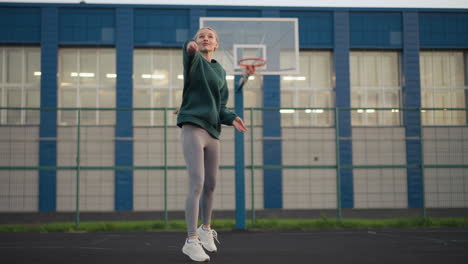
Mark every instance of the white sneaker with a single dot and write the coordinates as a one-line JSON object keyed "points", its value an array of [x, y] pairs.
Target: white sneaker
{"points": [[195, 251], [207, 238]]}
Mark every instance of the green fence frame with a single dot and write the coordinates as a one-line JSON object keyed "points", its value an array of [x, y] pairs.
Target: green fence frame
{"points": [[78, 168]]}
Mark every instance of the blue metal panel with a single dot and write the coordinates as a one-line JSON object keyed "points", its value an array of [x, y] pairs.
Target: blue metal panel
{"points": [[341, 64], [412, 98], [195, 14], [47, 178], [123, 178], [124, 124], [443, 30], [231, 12], [272, 154], [20, 25], [272, 148], [375, 30], [271, 13], [48, 125], [86, 26], [168, 27], [315, 28]]}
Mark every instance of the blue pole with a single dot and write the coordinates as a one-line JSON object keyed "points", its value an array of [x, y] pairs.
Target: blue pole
{"points": [[239, 158]]}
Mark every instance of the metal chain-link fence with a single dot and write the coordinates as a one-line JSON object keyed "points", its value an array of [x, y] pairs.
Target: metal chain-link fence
{"points": [[383, 159]]}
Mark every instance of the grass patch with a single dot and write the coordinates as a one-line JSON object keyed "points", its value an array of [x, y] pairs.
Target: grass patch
{"points": [[227, 224], [329, 223]]}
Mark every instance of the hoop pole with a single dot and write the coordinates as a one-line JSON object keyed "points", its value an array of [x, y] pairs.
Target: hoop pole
{"points": [[252, 170], [242, 82], [239, 160]]}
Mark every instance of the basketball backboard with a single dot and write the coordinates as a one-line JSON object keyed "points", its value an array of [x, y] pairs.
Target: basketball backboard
{"points": [[275, 40]]}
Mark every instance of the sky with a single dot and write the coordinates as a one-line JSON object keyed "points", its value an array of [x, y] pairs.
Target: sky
{"points": [[291, 3]]}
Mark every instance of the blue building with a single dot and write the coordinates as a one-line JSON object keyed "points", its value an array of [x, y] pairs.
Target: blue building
{"points": [[129, 56]]}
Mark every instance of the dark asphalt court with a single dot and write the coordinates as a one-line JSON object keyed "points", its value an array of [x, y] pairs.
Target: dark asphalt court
{"points": [[325, 246]]}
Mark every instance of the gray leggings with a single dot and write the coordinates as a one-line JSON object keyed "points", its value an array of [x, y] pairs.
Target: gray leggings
{"points": [[201, 153]]}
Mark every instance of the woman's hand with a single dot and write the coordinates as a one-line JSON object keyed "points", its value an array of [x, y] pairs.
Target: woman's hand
{"points": [[239, 124], [192, 47]]}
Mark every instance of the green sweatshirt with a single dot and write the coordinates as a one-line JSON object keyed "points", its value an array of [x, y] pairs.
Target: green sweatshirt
{"points": [[205, 94]]}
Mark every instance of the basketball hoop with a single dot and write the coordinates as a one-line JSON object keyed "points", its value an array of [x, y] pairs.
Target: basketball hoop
{"points": [[249, 67], [250, 64]]}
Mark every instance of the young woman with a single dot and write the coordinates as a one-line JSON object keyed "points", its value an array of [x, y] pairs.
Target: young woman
{"points": [[201, 114]]}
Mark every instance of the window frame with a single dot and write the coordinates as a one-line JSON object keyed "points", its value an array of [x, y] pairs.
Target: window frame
{"points": [[309, 87], [425, 115], [381, 95], [78, 87], [23, 85]]}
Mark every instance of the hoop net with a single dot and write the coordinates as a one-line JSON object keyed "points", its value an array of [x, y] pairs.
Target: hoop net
{"points": [[250, 65]]}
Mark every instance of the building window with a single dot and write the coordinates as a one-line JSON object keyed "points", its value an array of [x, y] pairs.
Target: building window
{"points": [[443, 85], [87, 79], [157, 82], [20, 78], [311, 89], [375, 83]]}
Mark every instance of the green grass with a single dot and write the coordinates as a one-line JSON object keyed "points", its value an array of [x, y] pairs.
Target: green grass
{"points": [[227, 224]]}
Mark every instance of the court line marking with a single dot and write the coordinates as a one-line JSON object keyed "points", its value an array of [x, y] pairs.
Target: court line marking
{"points": [[54, 247]]}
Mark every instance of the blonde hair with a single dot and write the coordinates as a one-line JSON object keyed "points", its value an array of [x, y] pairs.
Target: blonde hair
{"points": [[209, 28]]}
